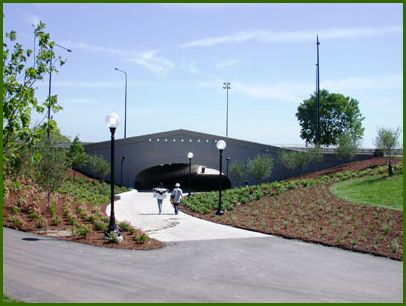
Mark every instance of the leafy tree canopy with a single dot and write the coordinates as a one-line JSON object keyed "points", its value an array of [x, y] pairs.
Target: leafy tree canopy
{"points": [[338, 115], [20, 76]]}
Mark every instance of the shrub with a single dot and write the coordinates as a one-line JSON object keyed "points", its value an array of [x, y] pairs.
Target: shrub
{"points": [[394, 245], [81, 230], [55, 220], [16, 221], [126, 226], [52, 208], [40, 222], [141, 238]]}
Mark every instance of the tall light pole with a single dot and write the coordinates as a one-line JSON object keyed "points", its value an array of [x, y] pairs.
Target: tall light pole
{"points": [[125, 102], [190, 156], [318, 94], [226, 87], [112, 122], [50, 81], [221, 145]]}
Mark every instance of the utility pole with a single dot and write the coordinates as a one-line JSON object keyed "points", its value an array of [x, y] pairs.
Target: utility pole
{"points": [[318, 93]]}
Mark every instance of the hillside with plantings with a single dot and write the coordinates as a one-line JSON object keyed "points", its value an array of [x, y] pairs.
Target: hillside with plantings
{"points": [[76, 212], [306, 209]]}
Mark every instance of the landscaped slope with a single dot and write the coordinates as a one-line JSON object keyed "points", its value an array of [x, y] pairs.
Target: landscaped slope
{"points": [[306, 209]]}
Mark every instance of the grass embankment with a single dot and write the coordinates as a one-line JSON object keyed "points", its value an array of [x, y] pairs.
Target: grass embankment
{"points": [[306, 209], [374, 190]]}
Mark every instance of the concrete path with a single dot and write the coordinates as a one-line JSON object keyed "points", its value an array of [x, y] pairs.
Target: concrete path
{"points": [[141, 210]]}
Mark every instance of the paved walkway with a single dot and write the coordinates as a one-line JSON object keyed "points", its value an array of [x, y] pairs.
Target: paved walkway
{"points": [[141, 210]]}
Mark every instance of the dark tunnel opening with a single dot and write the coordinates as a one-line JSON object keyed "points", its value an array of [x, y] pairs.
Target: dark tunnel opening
{"points": [[170, 174]]}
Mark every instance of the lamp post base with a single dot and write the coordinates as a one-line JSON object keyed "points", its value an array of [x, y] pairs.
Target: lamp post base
{"points": [[219, 212]]}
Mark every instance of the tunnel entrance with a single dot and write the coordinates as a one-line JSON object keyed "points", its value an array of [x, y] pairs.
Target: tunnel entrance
{"points": [[202, 178]]}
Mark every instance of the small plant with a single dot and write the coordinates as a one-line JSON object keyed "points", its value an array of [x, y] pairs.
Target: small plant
{"points": [[15, 209], [113, 237], [385, 229], [40, 222], [124, 226], [99, 225], [81, 230], [72, 219], [394, 245], [141, 238], [16, 221], [52, 208], [285, 224], [55, 220]]}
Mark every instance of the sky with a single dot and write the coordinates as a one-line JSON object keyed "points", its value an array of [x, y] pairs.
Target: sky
{"points": [[177, 57]]}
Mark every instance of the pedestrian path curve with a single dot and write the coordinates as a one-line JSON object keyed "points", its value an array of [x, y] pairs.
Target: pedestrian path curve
{"points": [[141, 210]]}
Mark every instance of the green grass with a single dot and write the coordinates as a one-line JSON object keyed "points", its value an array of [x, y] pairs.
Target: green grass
{"points": [[375, 190], [8, 300]]}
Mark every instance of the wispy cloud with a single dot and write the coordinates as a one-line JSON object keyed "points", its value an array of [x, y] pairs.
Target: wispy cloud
{"points": [[293, 91], [226, 65], [93, 48], [266, 36], [151, 61]]}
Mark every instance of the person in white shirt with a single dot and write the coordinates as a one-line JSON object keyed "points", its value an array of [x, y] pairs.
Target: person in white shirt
{"points": [[160, 194]]}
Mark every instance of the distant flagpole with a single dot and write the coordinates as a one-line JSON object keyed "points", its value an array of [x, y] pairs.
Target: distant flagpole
{"points": [[318, 93]]}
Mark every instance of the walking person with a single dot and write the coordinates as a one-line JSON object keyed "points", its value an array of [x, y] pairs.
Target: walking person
{"points": [[177, 195], [160, 194]]}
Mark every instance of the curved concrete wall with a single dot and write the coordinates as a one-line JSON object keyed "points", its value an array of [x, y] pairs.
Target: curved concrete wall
{"points": [[147, 151]]}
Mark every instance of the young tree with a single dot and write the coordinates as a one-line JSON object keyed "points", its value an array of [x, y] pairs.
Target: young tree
{"points": [[76, 154], [19, 99], [50, 167], [288, 160], [387, 140], [238, 171], [260, 167], [99, 166], [347, 147], [338, 115]]}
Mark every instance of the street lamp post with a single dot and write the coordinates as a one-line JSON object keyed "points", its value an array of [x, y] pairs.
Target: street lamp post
{"points": [[221, 145], [318, 94], [121, 172], [228, 161], [125, 102], [190, 156], [227, 87], [112, 121], [50, 81]]}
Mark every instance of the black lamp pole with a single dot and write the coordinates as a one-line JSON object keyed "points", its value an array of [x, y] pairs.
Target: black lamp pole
{"points": [[219, 211], [190, 176], [221, 145], [112, 224], [190, 156], [122, 161]]}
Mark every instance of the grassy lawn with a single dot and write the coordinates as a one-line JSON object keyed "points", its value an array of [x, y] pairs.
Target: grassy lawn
{"points": [[374, 190]]}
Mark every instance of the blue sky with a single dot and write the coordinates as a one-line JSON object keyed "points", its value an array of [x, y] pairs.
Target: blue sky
{"points": [[177, 57]]}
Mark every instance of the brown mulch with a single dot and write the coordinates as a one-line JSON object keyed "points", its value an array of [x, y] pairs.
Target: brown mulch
{"points": [[314, 214], [31, 197]]}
